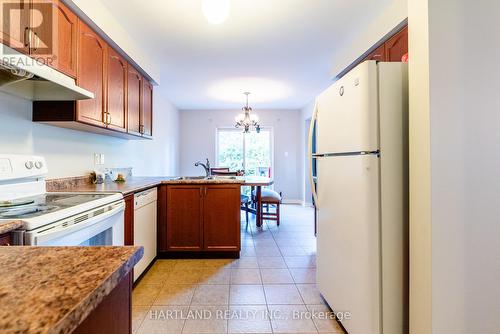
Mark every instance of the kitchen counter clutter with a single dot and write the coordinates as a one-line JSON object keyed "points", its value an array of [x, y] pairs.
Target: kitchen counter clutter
{"points": [[65, 289]]}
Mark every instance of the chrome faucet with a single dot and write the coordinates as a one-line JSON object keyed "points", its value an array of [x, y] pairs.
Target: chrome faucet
{"points": [[205, 166]]}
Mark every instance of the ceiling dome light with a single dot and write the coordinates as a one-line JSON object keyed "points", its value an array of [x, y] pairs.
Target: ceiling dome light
{"points": [[216, 11], [263, 89]]}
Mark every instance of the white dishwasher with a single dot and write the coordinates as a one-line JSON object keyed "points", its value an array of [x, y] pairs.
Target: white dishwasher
{"points": [[145, 209]]}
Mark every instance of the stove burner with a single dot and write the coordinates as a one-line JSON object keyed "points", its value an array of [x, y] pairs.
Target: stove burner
{"points": [[15, 202]]}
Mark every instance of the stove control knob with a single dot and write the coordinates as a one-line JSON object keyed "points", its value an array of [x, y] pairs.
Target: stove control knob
{"points": [[38, 164], [29, 164]]}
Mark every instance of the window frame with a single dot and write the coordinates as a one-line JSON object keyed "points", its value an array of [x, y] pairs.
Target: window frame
{"points": [[232, 128]]}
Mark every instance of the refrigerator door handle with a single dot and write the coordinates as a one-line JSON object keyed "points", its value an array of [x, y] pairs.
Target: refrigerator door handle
{"points": [[310, 154]]}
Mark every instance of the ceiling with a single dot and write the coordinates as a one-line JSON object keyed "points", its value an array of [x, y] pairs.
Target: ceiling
{"points": [[279, 50]]}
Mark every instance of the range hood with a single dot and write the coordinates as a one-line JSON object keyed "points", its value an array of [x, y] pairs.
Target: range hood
{"points": [[28, 78]]}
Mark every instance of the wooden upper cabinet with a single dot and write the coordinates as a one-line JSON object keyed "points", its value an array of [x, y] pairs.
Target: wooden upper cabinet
{"points": [[15, 23], [378, 54], [134, 100], [117, 73], [397, 46], [92, 55], [184, 218], [56, 42], [147, 108], [221, 218]]}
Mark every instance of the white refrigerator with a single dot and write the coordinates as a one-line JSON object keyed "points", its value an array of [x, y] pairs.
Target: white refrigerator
{"points": [[361, 196]]}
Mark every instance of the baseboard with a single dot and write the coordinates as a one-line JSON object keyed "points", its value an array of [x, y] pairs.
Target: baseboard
{"points": [[292, 201]]}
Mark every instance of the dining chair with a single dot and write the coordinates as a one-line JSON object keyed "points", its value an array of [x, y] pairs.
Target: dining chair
{"points": [[270, 198], [216, 170], [245, 200]]}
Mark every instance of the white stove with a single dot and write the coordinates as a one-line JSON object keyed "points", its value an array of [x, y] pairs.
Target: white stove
{"points": [[56, 219]]}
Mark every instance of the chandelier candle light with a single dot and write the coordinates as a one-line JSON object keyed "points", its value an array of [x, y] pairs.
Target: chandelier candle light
{"points": [[246, 121]]}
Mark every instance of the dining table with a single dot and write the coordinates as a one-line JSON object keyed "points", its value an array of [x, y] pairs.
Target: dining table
{"points": [[257, 182]]}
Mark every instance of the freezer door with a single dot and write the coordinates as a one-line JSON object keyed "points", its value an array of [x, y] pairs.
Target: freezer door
{"points": [[348, 253], [348, 113]]}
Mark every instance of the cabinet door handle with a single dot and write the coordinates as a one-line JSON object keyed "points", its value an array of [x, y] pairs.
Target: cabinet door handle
{"points": [[26, 37], [109, 121], [141, 129]]}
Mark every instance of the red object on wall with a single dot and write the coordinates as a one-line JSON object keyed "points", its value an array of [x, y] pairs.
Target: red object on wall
{"points": [[404, 59]]}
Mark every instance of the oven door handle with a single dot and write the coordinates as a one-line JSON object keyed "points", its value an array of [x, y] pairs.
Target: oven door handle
{"points": [[56, 230]]}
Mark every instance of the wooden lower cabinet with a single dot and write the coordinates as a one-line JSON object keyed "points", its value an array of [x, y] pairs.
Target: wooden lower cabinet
{"points": [[5, 239], [184, 218], [114, 313], [129, 220], [199, 218], [221, 218]]}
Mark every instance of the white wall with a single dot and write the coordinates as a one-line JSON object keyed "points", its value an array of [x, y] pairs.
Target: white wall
{"points": [[455, 201], [395, 13], [70, 152], [197, 142]]}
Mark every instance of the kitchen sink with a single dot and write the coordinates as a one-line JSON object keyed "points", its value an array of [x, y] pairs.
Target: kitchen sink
{"points": [[187, 178], [182, 178]]}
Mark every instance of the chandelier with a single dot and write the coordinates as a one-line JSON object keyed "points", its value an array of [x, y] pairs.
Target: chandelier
{"points": [[246, 121]]}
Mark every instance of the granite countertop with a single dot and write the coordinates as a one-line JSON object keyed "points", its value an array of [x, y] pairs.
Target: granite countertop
{"points": [[136, 184], [54, 289], [7, 226]]}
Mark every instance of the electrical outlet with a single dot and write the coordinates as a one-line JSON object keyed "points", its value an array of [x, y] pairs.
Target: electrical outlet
{"points": [[98, 159]]}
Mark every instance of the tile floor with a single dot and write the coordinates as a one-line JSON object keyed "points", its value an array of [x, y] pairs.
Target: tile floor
{"points": [[270, 289]]}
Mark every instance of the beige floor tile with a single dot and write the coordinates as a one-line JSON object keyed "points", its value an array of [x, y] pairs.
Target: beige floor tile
{"points": [[265, 243], [307, 275], [310, 294], [245, 276], [164, 320], [211, 295], [273, 262], [292, 251], [267, 251], [249, 262], [291, 319], [164, 265], [184, 276], [282, 294], [155, 276], [247, 242], [300, 261], [247, 251], [324, 319], [215, 275], [190, 264], [138, 315], [247, 295], [249, 319], [218, 263], [276, 276], [175, 294], [206, 319], [145, 294]]}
